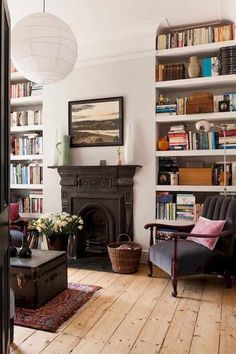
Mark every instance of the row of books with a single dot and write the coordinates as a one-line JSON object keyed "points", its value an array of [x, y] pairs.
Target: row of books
{"points": [[29, 173], [24, 118], [22, 89], [177, 207], [188, 140], [25, 89], [195, 36], [180, 105], [166, 72], [30, 144], [209, 66], [31, 204]]}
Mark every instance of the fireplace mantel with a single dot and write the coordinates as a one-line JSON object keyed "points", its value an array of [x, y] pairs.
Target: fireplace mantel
{"points": [[110, 187]]}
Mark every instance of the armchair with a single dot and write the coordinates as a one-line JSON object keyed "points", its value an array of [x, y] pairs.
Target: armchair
{"points": [[178, 256], [18, 226]]}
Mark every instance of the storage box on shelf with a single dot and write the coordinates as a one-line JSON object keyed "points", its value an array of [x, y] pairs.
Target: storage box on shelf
{"points": [[26, 127], [183, 100]]}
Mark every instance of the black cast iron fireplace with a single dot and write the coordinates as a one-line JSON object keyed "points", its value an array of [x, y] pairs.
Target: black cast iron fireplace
{"points": [[103, 196]]}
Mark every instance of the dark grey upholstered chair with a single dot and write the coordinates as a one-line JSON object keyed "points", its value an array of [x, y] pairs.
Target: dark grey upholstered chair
{"points": [[180, 257]]}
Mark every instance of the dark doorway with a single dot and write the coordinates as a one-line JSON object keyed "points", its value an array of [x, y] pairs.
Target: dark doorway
{"points": [[4, 182]]}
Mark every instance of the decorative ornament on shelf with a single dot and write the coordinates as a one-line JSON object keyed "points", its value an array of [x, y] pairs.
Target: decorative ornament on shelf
{"points": [[163, 144], [119, 162], [44, 48], [203, 126], [193, 67]]}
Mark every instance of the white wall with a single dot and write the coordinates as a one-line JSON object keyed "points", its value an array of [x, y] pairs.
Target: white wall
{"points": [[132, 79]]}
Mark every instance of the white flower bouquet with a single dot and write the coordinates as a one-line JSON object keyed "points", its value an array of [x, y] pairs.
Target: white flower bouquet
{"points": [[58, 224]]}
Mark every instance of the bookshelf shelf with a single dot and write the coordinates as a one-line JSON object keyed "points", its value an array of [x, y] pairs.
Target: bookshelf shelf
{"points": [[27, 128], [179, 188], [199, 82], [26, 101], [30, 215], [26, 186], [198, 153], [26, 157], [209, 48], [173, 126], [216, 116], [17, 77]]}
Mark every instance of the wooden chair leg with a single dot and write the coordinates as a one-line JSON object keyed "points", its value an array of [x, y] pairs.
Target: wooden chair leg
{"points": [[227, 279], [150, 266], [174, 276], [174, 284]]}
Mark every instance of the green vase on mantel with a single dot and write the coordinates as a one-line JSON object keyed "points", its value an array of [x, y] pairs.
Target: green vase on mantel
{"points": [[64, 151]]}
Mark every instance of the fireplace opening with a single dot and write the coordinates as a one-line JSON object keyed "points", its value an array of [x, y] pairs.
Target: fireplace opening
{"points": [[97, 230]]}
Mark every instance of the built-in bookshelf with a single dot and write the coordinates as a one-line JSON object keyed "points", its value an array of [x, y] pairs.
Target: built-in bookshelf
{"points": [[184, 149], [26, 158]]}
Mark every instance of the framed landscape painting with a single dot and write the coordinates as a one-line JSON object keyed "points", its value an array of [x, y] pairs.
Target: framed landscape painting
{"points": [[96, 122]]}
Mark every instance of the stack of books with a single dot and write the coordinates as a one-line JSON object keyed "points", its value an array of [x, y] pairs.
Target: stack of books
{"points": [[31, 204], [28, 173], [218, 170], [210, 66], [178, 137], [29, 144], [24, 118], [227, 60], [22, 89], [165, 207], [166, 109], [185, 206], [230, 137]]}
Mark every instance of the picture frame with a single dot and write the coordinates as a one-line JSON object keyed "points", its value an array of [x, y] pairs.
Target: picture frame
{"points": [[224, 106], [96, 122]]}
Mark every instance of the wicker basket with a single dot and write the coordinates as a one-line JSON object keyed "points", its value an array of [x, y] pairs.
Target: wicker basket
{"points": [[124, 260]]}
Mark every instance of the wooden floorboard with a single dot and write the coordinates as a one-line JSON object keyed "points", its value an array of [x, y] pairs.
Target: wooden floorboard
{"points": [[136, 314]]}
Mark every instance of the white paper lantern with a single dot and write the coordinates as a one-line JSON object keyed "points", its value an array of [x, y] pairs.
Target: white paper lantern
{"points": [[44, 49]]}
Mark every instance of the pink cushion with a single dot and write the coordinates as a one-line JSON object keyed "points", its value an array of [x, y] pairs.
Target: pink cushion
{"points": [[208, 227]]}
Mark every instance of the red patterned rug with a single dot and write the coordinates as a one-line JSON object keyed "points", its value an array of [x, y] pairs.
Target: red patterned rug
{"points": [[56, 311]]}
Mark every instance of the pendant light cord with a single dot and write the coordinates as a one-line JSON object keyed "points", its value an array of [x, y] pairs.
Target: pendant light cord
{"points": [[43, 5]]}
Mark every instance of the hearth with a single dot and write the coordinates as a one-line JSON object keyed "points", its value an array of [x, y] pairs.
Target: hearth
{"points": [[103, 196]]}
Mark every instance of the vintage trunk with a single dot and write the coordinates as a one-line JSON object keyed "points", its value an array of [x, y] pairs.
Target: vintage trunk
{"points": [[38, 279]]}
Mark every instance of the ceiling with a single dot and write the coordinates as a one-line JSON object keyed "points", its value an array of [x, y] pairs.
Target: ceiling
{"points": [[98, 21]]}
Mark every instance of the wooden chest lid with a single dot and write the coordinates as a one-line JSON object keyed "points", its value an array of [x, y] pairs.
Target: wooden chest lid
{"points": [[38, 258]]}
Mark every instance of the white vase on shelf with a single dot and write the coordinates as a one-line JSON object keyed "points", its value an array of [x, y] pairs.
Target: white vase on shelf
{"points": [[129, 145]]}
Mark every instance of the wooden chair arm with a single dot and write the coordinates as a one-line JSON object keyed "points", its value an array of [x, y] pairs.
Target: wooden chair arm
{"points": [[169, 226], [178, 235], [20, 223], [154, 227]]}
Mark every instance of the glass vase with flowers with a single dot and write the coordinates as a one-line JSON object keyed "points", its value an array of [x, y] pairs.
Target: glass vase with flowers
{"points": [[57, 228]]}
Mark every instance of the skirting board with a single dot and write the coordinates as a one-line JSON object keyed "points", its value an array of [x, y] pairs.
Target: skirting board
{"points": [[144, 257]]}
